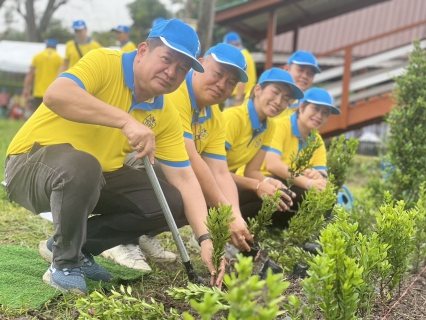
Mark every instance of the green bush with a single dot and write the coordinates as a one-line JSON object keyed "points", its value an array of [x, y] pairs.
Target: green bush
{"points": [[406, 148]]}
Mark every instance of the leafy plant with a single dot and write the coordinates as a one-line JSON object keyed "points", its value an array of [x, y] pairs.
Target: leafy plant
{"points": [[257, 225], [248, 297], [121, 305], [406, 147], [307, 222], [395, 227], [217, 223], [339, 156], [301, 161], [419, 239]]}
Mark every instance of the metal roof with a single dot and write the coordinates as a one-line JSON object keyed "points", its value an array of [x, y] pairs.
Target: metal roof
{"points": [[358, 25], [250, 18]]}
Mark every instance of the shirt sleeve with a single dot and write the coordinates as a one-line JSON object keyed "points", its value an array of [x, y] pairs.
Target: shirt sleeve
{"points": [[279, 137], [269, 136], [216, 146], [319, 159], [232, 128], [170, 145], [68, 50], [182, 104]]}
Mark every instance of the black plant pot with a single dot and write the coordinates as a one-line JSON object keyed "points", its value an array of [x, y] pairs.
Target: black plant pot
{"points": [[269, 265], [254, 250], [312, 247], [300, 271]]}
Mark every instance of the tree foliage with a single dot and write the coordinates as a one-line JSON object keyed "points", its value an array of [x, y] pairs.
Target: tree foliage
{"points": [[406, 147], [36, 27]]}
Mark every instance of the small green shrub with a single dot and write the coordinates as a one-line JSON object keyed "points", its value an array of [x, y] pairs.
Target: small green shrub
{"points": [[121, 305], [419, 240], [217, 223], [339, 157], [248, 297], [257, 225]]}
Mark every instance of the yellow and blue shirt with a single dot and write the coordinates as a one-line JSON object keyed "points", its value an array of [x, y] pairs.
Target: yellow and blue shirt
{"points": [[251, 73], [245, 135], [107, 75], [46, 65], [71, 52], [288, 141], [129, 46], [205, 127]]}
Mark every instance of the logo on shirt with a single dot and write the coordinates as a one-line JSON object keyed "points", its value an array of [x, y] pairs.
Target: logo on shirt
{"points": [[201, 134], [258, 143], [150, 122]]}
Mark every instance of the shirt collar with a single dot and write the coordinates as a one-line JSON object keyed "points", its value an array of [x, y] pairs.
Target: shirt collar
{"points": [[254, 118], [294, 127], [87, 41], [129, 76], [197, 113]]}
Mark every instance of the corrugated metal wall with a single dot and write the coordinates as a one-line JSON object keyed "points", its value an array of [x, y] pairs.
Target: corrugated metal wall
{"points": [[358, 25]]}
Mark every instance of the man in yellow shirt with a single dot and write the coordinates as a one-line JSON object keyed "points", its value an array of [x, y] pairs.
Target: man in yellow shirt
{"points": [[122, 34], [77, 48], [43, 71], [241, 89], [204, 128], [68, 157]]}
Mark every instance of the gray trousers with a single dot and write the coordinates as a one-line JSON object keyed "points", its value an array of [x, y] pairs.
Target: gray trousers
{"points": [[92, 210]]}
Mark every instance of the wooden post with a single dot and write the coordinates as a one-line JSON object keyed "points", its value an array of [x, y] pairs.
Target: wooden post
{"points": [[295, 38], [205, 24], [272, 26], [345, 88]]}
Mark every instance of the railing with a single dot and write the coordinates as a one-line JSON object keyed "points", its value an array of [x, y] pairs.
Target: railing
{"points": [[379, 79]]}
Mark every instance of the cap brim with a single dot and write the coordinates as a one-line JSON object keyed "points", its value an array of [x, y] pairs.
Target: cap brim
{"points": [[79, 28], [241, 72], [196, 65], [297, 93], [334, 110], [317, 69]]}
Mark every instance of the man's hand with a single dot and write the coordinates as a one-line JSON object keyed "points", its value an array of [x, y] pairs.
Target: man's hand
{"points": [[320, 184], [141, 139], [269, 189], [206, 257], [240, 234]]}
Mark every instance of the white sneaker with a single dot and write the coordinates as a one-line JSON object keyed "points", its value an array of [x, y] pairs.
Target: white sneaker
{"points": [[193, 243], [154, 250], [129, 255]]}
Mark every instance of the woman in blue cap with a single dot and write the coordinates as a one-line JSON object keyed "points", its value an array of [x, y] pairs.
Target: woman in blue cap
{"points": [[290, 135], [249, 134]]}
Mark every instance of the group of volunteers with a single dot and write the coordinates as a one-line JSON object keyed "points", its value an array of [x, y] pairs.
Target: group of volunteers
{"points": [[48, 64], [80, 154]]}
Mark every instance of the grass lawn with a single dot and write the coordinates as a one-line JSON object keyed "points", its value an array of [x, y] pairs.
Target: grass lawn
{"points": [[23, 228]]}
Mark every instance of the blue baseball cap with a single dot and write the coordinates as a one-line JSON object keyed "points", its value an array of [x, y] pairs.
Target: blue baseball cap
{"points": [[227, 54], [156, 20], [280, 75], [51, 43], [304, 58], [121, 28], [231, 37], [321, 97], [179, 36], [79, 25]]}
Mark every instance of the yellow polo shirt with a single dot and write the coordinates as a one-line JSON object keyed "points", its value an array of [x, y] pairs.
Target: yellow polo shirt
{"points": [[107, 75], [129, 46], [205, 127], [289, 110], [251, 73], [71, 53], [245, 135], [46, 65], [288, 140]]}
